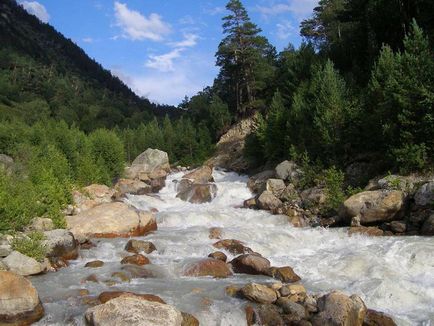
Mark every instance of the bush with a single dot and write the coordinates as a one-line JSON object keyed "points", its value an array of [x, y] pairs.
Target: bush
{"points": [[411, 157], [333, 180], [31, 245]]}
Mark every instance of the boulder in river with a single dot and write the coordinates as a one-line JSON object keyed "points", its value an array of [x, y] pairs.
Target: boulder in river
{"points": [[373, 206], [111, 220], [133, 311], [336, 308], [268, 201], [257, 182], [137, 259], [110, 295], [133, 187], [137, 246], [198, 193], [285, 274], [208, 267], [200, 175], [60, 243], [218, 255], [275, 186], [94, 264], [24, 265], [215, 233], [148, 162], [259, 293], [235, 247], [250, 264], [19, 300], [376, 318]]}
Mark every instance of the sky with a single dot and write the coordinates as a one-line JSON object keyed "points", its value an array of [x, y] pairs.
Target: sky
{"points": [[164, 49]]}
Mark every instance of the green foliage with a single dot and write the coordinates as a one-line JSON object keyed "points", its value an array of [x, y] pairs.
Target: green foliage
{"points": [[31, 245], [333, 180]]}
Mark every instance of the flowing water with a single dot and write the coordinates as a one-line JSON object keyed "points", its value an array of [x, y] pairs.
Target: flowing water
{"points": [[391, 274]]}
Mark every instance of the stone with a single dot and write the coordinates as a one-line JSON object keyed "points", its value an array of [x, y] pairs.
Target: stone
{"points": [[111, 220], [121, 276], [200, 175], [371, 231], [311, 304], [289, 171], [268, 201], [425, 195], [233, 291], [5, 250], [135, 271], [198, 193], [137, 246], [295, 310], [398, 226], [259, 293], [257, 182], [250, 264], [285, 274], [218, 255], [235, 247], [208, 267], [19, 300], [336, 308], [189, 320], [275, 186], [148, 162], [110, 295], [23, 265], [290, 195], [40, 224], [91, 196], [94, 264], [268, 314], [133, 187], [250, 203], [215, 233], [294, 292], [60, 243], [428, 226], [313, 197], [133, 311], [373, 206], [137, 259], [376, 318]]}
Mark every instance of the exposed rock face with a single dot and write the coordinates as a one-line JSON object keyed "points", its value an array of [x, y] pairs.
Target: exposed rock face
{"points": [[111, 220], [148, 162], [198, 193], [208, 267], [235, 247], [19, 300], [257, 182], [230, 148], [250, 264], [428, 226], [23, 265], [91, 196], [425, 195], [133, 311], [137, 246], [373, 206], [61, 244], [268, 201], [336, 308], [40, 224], [107, 296], [259, 293], [289, 171], [200, 175], [133, 187]]}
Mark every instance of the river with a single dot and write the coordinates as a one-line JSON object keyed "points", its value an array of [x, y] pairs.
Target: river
{"points": [[391, 274]]}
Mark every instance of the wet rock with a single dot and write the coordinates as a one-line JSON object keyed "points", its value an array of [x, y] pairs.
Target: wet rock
{"points": [[250, 203], [138, 260], [91, 196], [376, 318], [40, 224], [94, 264], [133, 311], [294, 310], [294, 292], [268, 201], [200, 175], [208, 267], [373, 206], [268, 314], [275, 186], [336, 308], [19, 300], [198, 193], [257, 182], [218, 255], [371, 231], [428, 226], [110, 295], [111, 220], [215, 233], [233, 291], [121, 276], [133, 187], [235, 247], [137, 246], [23, 265], [137, 272], [189, 320], [147, 162], [61, 244], [425, 195], [259, 293], [398, 226], [285, 274], [250, 264]]}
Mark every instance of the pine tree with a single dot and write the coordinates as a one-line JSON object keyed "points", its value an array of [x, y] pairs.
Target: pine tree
{"points": [[275, 130]]}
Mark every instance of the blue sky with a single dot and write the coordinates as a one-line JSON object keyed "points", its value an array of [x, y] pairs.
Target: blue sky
{"points": [[163, 49]]}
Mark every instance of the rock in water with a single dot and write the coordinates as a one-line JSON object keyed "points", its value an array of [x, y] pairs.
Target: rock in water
{"points": [[133, 311], [133, 187], [250, 264], [268, 201], [200, 175], [19, 300], [111, 220], [208, 267], [149, 161], [61, 244], [376, 318], [259, 293], [137, 246], [107, 296], [23, 265], [198, 193]]}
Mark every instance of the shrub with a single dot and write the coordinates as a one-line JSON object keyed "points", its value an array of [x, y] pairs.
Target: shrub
{"points": [[411, 157], [333, 181], [31, 245]]}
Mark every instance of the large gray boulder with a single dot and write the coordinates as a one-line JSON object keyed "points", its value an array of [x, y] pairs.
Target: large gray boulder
{"points": [[60, 243], [257, 182], [425, 195], [268, 201], [288, 170], [373, 206], [24, 265], [133, 311], [276, 186], [148, 162], [133, 187], [198, 193], [19, 300]]}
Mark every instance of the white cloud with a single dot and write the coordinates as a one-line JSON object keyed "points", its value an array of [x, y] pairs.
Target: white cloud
{"points": [[135, 26], [186, 20], [284, 30], [35, 8], [189, 40], [215, 11], [273, 10], [163, 62], [87, 40], [300, 8]]}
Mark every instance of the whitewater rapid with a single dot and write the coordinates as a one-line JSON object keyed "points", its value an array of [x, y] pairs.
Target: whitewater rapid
{"points": [[391, 274]]}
